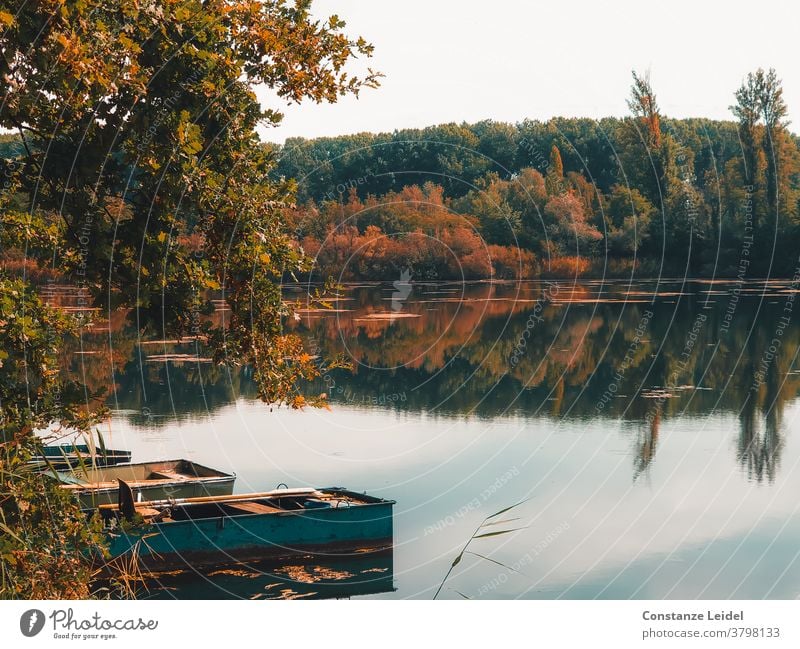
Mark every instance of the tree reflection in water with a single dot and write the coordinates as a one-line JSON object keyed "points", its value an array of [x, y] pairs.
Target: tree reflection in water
{"points": [[450, 354]]}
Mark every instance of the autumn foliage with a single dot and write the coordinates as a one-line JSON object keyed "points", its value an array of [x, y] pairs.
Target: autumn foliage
{"points": [[419, 230]]}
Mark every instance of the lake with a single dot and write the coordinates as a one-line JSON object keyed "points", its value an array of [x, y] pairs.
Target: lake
{"points": [[639, 436]]}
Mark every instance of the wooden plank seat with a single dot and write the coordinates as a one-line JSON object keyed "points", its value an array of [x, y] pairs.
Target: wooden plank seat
{"points": [[253, 508], [168, 474]]}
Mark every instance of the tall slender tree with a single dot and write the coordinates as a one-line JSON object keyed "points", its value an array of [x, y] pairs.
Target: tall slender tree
{"points": [[555, 173], [773, 113], [747, 110], [767, 158], [644, 107], [645, 150]]}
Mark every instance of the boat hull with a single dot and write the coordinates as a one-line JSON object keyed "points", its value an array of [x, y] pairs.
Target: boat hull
{"points": [[214, 541], [92, 498]]}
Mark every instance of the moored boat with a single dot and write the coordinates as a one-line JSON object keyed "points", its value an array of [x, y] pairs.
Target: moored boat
{"points": [[68, 456], [225, 529], [147, 480]]}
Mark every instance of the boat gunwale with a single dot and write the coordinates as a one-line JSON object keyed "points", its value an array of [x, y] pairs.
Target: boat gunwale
{"points": [[113, 508], [138, 484], [248, 515], [220, 476]]}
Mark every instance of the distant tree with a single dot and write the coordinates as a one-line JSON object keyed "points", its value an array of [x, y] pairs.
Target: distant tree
{"points": [[568, 226], [528, 189], [646, 152], [644, 107], [769, 159], [555, 173], [747, 110], [773, 113], [687, 226], [629, 216], [500, 222], [587, 192], [527, 196], [497, 141]]}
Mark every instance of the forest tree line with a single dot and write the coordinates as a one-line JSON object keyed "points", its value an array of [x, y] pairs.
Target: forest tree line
{"points": [[562, 197]]}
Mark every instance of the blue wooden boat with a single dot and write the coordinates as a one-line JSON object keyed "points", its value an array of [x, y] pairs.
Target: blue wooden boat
{"points": [[166, 534], [95, 486], [69, 456]]}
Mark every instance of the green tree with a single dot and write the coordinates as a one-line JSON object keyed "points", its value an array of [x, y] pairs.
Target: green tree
{"points": [[139, 127], [747, 110], [769, 163], [773, 113], [500, 222], [644, 107], [136, 129], [554, 179], [646, 153], [628, 217], [45, 542]]}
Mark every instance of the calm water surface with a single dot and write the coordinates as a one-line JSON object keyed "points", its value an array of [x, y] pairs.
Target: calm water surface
{"points": [[646, 432]]}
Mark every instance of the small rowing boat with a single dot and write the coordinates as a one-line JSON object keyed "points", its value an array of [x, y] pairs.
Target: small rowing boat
{"points": [[216, 530], [147, 480]]}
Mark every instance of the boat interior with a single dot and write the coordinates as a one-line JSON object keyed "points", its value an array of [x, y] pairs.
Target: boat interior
{"points": [[232, 506], [134, 474]]}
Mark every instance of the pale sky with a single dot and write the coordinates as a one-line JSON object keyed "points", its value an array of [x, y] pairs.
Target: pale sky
{"points": [[450, 61]]}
